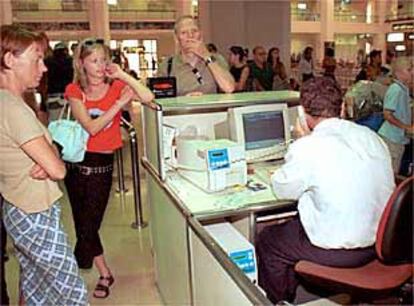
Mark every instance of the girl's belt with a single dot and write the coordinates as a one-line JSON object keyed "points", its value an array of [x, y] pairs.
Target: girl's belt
{"points": [[85, 170]]}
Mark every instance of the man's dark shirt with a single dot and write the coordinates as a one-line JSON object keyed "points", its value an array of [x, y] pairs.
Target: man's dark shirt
{"points": [[263, 76]]}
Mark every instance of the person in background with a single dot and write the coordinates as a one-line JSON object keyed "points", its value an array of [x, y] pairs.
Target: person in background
{"points": [[246, 56], [324, 170], [98, 94], [4, 296], [73, 47], [390, 57], [239, 70], [29, 170], [306, 65], [329, 63], [397, 111], [361, 58], [261, 71], [375, 63], [197, 71], [214, 52], [280, 79], [59, 72]]}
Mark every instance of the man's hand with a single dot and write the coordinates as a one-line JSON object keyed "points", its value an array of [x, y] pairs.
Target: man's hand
{"points": [[38, 173], [194, 94], [300, 129], [197, 47], [410, 129]]}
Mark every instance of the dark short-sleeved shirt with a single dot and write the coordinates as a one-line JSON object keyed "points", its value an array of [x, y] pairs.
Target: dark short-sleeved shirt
{"points": [[263, 76]]}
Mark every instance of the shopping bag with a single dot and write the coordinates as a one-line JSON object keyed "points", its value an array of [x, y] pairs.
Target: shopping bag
{"points": [[70, 135]]}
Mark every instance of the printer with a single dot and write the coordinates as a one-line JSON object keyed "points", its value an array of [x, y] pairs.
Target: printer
{"points": [[212, 165], [237, 247]]}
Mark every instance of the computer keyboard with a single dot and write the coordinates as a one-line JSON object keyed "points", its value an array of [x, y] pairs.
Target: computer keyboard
{"points": [[254, 156]]}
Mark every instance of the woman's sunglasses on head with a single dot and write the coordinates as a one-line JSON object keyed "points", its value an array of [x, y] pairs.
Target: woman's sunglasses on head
{"points": [[90, 42]]}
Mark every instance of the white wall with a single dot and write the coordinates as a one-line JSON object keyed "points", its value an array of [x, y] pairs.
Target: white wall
{"points": [[247, 23]]}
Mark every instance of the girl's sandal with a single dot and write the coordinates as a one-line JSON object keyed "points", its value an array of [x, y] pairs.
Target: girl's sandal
{"points": [[102, 288]]}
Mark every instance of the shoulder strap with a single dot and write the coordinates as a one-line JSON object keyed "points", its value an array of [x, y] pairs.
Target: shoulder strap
{"points": [[169, 68]]}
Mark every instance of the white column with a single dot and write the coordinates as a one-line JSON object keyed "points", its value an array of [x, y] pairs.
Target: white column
{"points": [[98, 14], [327, 26], [183, 7], [6, 16], [204, 18], [380, 39]]}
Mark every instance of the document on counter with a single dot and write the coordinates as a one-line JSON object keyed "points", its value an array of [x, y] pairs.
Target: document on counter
{"points": [[199, 201]]}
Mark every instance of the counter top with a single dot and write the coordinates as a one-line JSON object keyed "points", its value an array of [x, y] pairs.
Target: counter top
{"points": [[223, 100], [234, 199]]}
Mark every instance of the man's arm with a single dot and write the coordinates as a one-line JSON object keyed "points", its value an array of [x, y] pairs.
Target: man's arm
{"points": [[389, 116], [223, 77], [289, 180], [391, 99]]}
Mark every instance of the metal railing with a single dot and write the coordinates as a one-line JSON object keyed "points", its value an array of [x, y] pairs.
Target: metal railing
{"points": [[401, 15], [136, 178], [354, 18], [24, 6], [305, 16]]}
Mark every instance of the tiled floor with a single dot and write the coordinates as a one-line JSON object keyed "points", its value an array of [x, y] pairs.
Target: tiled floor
{"points": [[127, 250]]}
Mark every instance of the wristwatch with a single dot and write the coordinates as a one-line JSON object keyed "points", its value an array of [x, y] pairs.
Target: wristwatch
{"points": [[210, 59]]}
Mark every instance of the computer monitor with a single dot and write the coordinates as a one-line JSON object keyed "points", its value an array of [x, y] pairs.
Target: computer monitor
{"points": [[263, 129]]}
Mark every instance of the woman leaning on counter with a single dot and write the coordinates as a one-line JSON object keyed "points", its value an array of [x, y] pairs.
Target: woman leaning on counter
{"points": [[29, 169], [98, 94]]}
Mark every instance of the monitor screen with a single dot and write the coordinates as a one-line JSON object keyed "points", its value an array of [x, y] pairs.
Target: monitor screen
{"points": [[263, 129]]}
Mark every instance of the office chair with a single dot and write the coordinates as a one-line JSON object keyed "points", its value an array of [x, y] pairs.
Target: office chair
{"points": [[393, 268]]}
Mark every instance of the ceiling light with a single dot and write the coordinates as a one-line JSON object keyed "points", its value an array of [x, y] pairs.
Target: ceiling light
{"points": [[400, 48], [395, 37], [302, 6]]}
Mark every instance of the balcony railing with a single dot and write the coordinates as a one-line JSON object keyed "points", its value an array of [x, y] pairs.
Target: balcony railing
{"points": [[150, 15], [31, 6], [400, 16], [141, 25], [50, 15], [355, 18], [305, 16], [53, 26]]}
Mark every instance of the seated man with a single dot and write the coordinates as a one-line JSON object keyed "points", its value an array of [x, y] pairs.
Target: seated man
{"points": [[341, 175]]}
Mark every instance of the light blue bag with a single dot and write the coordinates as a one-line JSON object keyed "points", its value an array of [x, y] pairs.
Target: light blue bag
{"points": [[70, 135]]}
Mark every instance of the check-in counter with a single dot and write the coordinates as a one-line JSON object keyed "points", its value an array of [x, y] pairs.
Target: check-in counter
{"points": [[191, 268]]}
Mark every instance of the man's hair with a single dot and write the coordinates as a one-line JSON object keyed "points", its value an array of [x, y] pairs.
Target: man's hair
{"points": [[374, 53], [308, 49], [181, 19], [401, 63], [255, 49], [321, 97]]}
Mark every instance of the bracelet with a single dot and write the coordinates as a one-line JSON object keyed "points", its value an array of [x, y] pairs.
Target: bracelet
{"points": [[210, 59]]}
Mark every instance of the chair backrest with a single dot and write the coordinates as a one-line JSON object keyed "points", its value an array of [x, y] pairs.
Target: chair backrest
{"points": [[394, 243]]}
